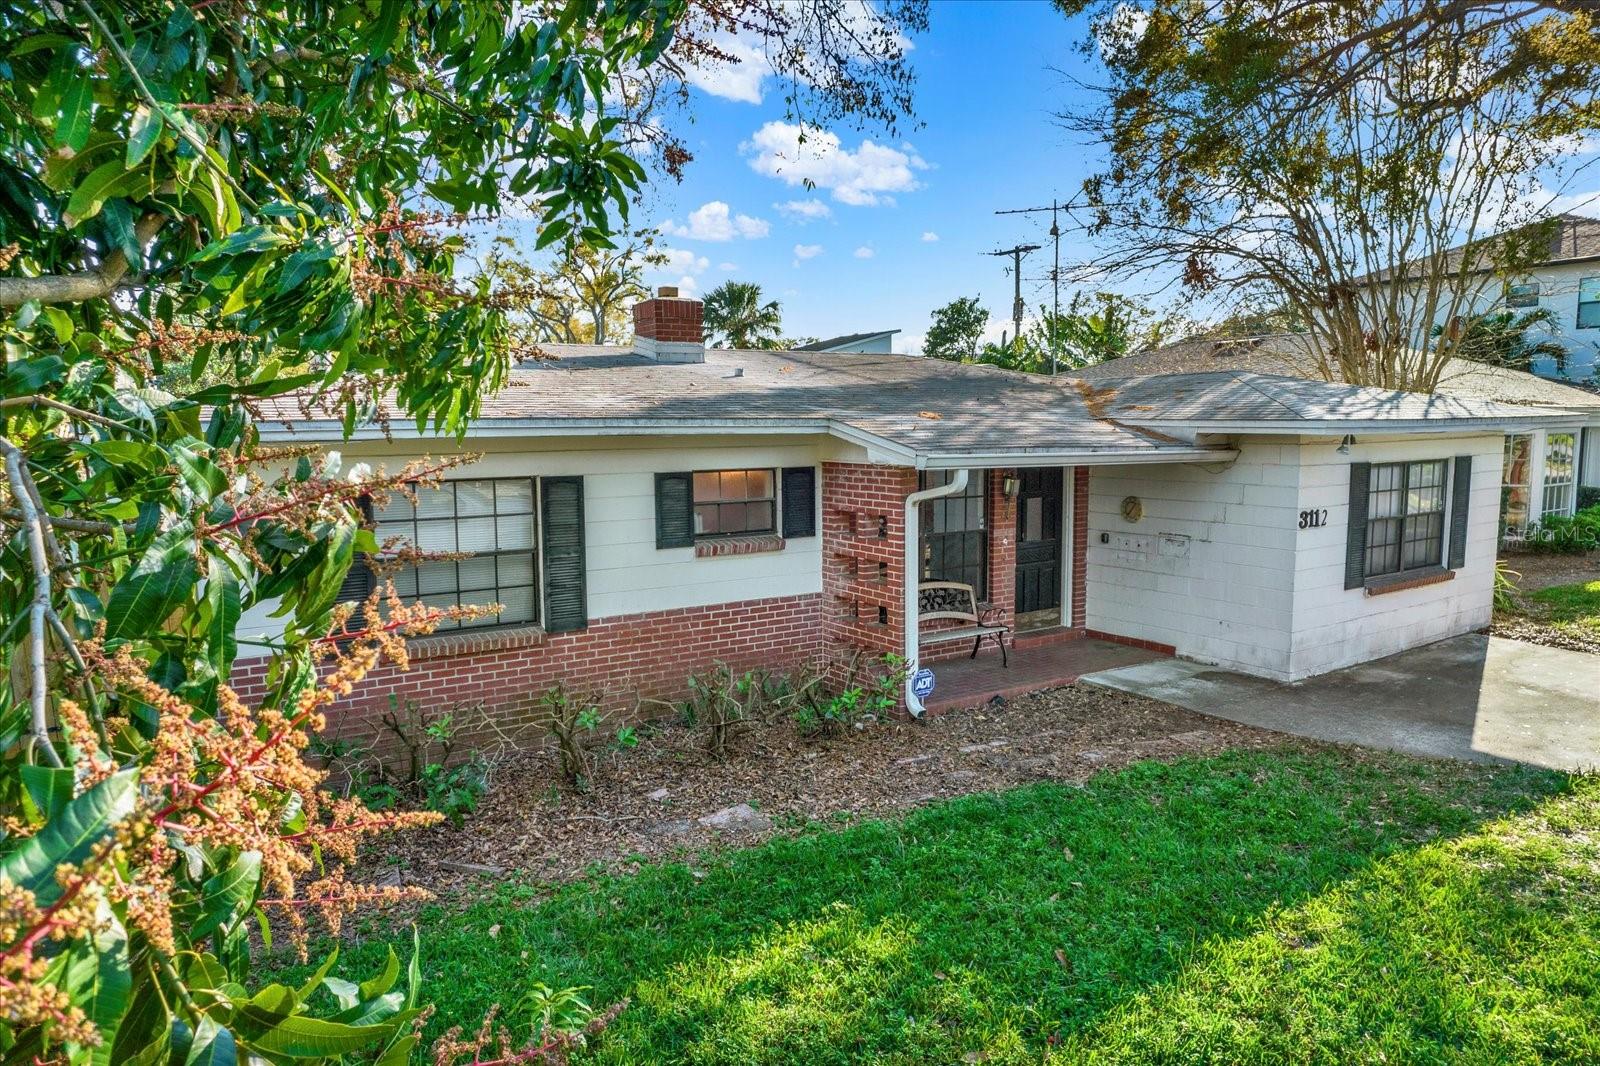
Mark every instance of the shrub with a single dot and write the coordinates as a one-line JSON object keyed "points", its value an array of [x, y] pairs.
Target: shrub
{"points": [[1572, 534], [573, 721], [1588, 497], [856, 698]]}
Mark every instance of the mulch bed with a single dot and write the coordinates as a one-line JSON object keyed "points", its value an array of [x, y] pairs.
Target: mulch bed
{"points": [[649, 803], [1540, 571]]}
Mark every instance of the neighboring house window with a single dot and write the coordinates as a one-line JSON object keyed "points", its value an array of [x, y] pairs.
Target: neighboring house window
{"points": [[955, 541], [1516, 483], [734, 501], [490, 524], [1589, 303], [1525, 294], [1405, 516], [1560, 450]]}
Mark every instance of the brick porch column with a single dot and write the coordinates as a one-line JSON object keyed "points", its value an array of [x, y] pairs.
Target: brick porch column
{"points": [[1002, 520], [863, 559], [1080, 542]]}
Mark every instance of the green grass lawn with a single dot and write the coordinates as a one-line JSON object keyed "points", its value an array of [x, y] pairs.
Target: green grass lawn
{"points": [[1264, 907], [1573, 607]]}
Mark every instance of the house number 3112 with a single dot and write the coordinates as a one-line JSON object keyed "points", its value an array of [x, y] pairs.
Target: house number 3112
{"points": [[1314, 519]]}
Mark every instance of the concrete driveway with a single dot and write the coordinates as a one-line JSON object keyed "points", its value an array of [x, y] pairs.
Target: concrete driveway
{"points": [[1472, 697]]}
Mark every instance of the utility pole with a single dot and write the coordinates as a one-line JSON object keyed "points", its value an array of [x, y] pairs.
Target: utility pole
{"points": [[1055, 209], [1016, 255]]}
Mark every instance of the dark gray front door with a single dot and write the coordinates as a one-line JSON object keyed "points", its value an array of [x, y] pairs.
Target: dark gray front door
{"points": [[1039, 543]]}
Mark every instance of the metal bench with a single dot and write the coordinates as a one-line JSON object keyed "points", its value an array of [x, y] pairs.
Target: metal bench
{"points": [[957, 601]]}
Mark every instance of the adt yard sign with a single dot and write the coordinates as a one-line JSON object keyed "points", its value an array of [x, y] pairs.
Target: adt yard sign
{"points": [[922, 683]]}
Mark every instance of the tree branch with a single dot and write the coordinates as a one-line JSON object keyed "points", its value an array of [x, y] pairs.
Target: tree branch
{"points": [[84, 285], [39, 609]]}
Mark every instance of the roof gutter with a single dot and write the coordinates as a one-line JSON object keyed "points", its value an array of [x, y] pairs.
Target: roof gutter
{"points": [[914, 502]]}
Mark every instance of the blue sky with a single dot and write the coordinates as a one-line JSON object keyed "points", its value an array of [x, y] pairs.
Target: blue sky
{"points": [[868, 259]]}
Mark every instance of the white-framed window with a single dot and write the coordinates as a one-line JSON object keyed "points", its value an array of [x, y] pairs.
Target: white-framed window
{"points": [[729, 502], [1516, 483], [490, 527], [1522, 294], [1560, 473], [1589, 303], [1405, 516]]}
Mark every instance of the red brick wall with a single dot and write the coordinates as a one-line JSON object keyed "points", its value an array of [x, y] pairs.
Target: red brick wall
{"points": [[669, 319], [863, 572], [620, 658]]}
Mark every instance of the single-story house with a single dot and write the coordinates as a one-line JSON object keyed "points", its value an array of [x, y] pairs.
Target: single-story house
{"points": [[879, 342], [1542, 468], [642, 513]]}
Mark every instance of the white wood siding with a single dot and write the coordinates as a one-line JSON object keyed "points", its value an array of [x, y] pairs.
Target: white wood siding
{"points": [[626, 573]]}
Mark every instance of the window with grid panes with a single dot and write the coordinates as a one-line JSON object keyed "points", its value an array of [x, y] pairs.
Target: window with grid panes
{"points": [[1516, 479], [1560, 473], [490, 525], [1405, 516], [734, 501], [955, 539]]}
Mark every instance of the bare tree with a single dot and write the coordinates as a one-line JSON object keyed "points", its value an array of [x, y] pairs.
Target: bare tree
{"points": [[1376, 179]]}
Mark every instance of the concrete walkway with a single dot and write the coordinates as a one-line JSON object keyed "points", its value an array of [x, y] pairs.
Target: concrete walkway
{"points": [[1473, 697]]}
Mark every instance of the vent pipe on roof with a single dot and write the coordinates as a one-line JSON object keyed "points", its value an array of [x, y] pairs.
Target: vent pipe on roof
{"points": [[669, 328]]}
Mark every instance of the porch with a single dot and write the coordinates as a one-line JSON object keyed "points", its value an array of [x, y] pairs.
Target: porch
{"points": [[963, 683]]}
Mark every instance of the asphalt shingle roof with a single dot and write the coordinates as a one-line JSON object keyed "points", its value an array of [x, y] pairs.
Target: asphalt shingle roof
{"points": [[1287, 354], [926, 407]]}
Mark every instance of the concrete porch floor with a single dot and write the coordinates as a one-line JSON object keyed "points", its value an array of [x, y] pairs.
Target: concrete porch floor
{"points": [[964, 682]]}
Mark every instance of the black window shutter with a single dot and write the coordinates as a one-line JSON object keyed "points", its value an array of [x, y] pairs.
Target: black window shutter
{"points": [[565, 603], [359, 579], [1355, 541], [1460, 493], [799, 501], [675, 510]]}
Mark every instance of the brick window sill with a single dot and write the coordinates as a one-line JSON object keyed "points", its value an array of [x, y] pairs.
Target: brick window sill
{"points": [[474, 642], [751, 545], [1414, 579]]}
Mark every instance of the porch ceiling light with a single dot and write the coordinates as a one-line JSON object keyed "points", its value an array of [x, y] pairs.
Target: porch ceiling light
{"points": [[1012, 486]]}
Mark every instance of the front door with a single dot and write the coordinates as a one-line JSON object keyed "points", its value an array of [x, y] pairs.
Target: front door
{"points": [[1039, 548]]}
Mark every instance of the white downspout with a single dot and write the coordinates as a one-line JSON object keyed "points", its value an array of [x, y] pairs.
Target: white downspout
{"points": [[913, 576]]}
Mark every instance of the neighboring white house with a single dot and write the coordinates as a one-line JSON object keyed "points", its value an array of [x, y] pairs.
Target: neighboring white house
{"points": [[645, 514], [1543, 466], [881, 342], [1566, 284]]}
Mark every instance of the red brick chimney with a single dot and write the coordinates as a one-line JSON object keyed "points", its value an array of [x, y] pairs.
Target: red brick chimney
{"points": [[668, 328]]}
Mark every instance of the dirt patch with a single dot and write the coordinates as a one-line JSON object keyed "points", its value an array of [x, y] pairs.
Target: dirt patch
{"points": [[667, 797], [1539, 570]]}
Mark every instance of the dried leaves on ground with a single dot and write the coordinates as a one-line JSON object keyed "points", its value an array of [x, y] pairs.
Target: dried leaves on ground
{"points": [[667, 797]]}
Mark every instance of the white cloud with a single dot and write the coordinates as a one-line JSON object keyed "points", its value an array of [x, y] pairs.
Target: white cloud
{"points": [[740, 80], [803, 210], [681, 261], [928, 236], [862, 177], [688, 285], [806, 251], [727, 268], [864, 252], [715, 221]]}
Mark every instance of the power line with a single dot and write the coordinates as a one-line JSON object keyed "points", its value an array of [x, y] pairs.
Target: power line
{"points": [[1016, 255], [1055, 209]]}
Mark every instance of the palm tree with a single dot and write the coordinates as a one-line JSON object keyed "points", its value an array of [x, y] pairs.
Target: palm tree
{"points": [[736, 317]]}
